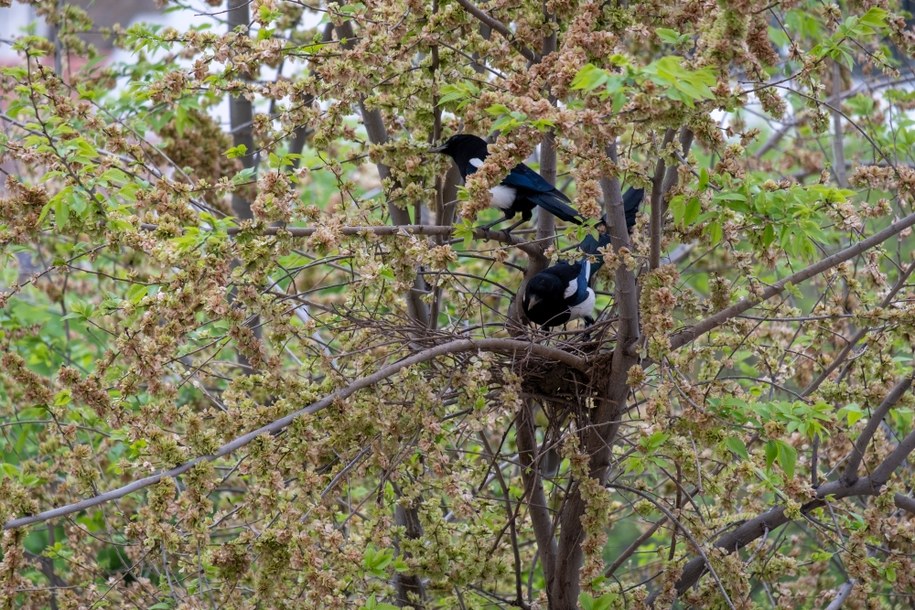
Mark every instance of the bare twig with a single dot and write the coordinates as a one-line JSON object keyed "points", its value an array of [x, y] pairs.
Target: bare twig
{"points": [[632, 548]]}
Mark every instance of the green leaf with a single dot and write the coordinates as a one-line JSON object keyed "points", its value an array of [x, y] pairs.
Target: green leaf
{"points": [[587, 602], [497, 110], [589, 77], [669, 36], [874, 20], [852, 412], [62, 398], [458, 92], [136, 293], [678, 208], [654, 442], [61, 213], [693, 208], [703, 179], [784, 454], [771, 453], [715, 233], [737, 446], [372, 603], [377, 560], [245, 175], [464, 230], [237, 151]]}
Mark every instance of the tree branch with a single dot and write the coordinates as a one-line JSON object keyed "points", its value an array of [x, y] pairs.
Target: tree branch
{"points": [[906, 503], [531, 248], [903, 278], [690, 334], [857, 454], [838, 147], [600, 426], [842, 595], [511, 347], [777, 516], [657, 195], [241, 115], [546, 223], [378, 134], [627, 295], [538, 507], [499, 27]]}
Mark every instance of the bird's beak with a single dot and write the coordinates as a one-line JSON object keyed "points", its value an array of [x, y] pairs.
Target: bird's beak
{"points": [[533, 301], [438, 149]]}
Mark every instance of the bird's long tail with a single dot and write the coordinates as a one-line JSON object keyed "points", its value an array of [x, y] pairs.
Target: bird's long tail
{"points": [[590, 246], [632, 199], [557, 207]]}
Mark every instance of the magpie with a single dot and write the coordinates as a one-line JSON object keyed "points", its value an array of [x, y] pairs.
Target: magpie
{"points": [[561, 293], [521, 190]]}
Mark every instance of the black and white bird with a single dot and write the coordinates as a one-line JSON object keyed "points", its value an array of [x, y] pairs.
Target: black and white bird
{"points": [[522, 190], [561, 293]]}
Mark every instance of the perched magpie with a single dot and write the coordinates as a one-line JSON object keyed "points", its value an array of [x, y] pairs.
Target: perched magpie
{"points": [[561, 293], [522, 190]]}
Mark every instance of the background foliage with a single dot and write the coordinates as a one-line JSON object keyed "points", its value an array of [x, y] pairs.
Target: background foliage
{"points": [[246, 317]]}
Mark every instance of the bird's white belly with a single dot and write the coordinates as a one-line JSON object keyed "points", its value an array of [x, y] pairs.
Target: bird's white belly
{"points": [[585, 308], [502, 196]]}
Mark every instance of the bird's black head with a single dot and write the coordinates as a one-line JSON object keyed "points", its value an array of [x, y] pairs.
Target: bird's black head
{"points": [[463, 147], [543, 300]]}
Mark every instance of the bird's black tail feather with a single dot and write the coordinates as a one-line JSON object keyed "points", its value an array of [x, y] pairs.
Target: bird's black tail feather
{"points": [[555, 206], [590, 245], [632, 199]]}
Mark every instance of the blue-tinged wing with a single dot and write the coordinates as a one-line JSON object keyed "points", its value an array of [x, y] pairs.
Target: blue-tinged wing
{"points": [[584, 276], [541, 193], [523, 177], [573, 279], [555, 206], [632, 199]]}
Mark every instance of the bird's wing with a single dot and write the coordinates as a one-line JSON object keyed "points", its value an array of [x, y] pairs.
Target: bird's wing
{"points": [[632, 199], [541, 192], [574, 278], [555, 206], [523, 177], [584, 274]]}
